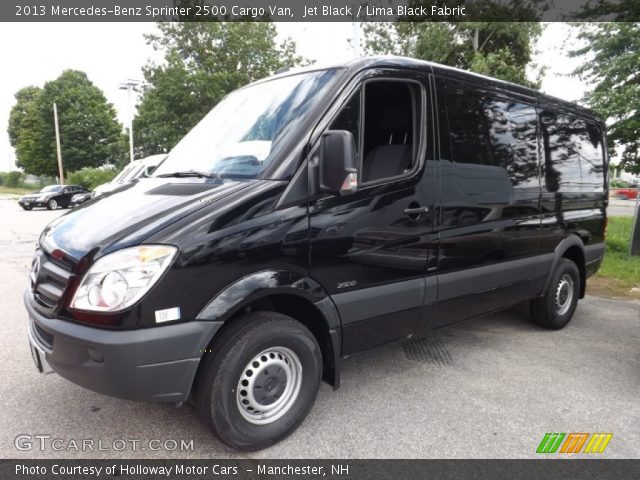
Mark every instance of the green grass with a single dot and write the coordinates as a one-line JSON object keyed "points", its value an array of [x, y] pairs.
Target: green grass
{"points": [[16, 190], [617, 262]]}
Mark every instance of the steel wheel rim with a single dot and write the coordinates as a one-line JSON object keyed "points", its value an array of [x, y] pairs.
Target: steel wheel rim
{"points": [[564, 294], [269, 385]]}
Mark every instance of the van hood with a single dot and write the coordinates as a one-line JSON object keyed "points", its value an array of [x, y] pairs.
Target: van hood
{"points": [[132, 213]]}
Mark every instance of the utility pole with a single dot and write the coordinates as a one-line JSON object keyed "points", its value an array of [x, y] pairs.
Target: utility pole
{"points": [[356, 39], [130, 85], [55, 122]]}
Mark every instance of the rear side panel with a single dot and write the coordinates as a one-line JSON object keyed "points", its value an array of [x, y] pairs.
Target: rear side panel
{"points": [[574, 181], [490, 247]]}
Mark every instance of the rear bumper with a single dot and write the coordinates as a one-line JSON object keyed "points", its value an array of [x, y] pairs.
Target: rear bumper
{"points": [[155, 364], [594, 254]]}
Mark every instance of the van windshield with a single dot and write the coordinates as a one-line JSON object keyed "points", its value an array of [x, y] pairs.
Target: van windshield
{"points": [[244, 132], [120, 178]]}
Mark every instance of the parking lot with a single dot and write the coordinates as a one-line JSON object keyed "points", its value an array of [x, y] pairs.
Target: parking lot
{"points": [[488, 388]]}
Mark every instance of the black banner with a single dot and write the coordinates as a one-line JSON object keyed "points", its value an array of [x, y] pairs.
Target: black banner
{"points": [[565, 469], [318, 10]]}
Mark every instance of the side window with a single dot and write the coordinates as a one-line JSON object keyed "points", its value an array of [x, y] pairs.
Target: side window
{"points": [[468, 129], [387, 139], [349, 119], [390, 139], [493, 142], [514, 140], [573, 153], [591, 150]]}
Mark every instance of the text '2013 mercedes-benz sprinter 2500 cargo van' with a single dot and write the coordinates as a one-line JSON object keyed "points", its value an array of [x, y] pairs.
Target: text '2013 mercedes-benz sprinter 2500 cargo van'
{"points": [[313, 215]]}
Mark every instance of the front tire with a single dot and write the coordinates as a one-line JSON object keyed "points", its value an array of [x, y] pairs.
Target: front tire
{"points": [[52, 204], [259, 380], [555, 309], [26, 208]]}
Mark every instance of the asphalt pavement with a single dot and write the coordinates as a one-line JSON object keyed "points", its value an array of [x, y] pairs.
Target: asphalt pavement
{"points": [[487, 388]]}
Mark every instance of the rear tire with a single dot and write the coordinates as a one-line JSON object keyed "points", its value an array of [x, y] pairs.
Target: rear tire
{"points": [[52, 204], [555, 309], [259, 381]]}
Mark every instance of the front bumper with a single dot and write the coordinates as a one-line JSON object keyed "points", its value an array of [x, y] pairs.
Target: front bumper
{"points": [[155, 364], [32, 203]]}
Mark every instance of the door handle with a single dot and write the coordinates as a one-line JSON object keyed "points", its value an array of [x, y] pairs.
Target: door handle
{"points": [[416, 211]]}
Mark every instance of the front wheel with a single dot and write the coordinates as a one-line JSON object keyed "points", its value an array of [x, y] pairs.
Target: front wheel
{"points": [[555, 309], [259, 380]]}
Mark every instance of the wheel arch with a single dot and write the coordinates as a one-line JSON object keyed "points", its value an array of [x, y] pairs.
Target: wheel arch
{"points": [[290, 293], [572, 248]]}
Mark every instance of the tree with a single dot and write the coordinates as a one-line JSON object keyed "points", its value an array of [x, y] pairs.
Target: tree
{"points": [[203, 62], [88, 126], [25, 98], [610, 11], [612, 69], [502, 48]]}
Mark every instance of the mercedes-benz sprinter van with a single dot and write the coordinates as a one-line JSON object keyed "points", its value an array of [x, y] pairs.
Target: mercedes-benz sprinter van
{"points": [[313, 215]]}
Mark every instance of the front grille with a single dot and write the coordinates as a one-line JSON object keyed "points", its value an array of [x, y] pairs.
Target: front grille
{"points": [[62, 262], [48, 302], [58, 283], [51, 281]]}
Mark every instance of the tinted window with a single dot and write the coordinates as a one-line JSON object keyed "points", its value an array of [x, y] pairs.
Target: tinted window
{"points": [[493, 132], [513, 136], [573, 153], [468, 129], [591, 149]]}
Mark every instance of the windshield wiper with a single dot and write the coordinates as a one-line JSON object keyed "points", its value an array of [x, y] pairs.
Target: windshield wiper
{"points": [[189, 173]]}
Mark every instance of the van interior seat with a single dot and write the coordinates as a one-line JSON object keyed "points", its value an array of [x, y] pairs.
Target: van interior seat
{"points": [[392, 154]]}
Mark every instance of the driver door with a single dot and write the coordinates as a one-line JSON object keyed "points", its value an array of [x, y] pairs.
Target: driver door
{"points": [[371, 250]]}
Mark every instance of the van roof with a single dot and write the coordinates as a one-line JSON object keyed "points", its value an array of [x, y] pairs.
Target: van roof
{"points": [[391, 61]]}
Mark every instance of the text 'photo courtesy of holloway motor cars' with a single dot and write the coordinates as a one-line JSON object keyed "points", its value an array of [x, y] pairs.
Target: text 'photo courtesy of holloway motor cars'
{"points": [[313, 215]]}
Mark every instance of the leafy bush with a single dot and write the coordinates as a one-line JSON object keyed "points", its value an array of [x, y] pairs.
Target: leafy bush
{"points": [[617, 183], [11, 179], [90, 178]]}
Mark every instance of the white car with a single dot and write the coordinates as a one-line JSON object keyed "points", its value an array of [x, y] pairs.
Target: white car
{"points": [[136, 169]]}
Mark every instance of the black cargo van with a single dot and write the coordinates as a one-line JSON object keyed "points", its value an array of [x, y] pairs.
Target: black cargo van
{"points": [[313, 215]]}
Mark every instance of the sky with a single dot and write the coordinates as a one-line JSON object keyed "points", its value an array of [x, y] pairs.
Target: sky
{"points": [[34, 53]]}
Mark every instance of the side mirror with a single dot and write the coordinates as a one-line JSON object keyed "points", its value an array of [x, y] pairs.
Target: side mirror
{"points": [[337, 170]]}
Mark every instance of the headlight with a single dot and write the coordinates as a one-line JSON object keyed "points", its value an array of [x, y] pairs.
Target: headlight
{"points": [[120, 279]]}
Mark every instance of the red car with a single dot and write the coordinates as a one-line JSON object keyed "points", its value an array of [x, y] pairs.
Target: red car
{"points": [[625, 193]]}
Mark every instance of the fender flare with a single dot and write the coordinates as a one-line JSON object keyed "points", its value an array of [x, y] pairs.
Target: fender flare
{"points": [[265, 283], [559, 251]]}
